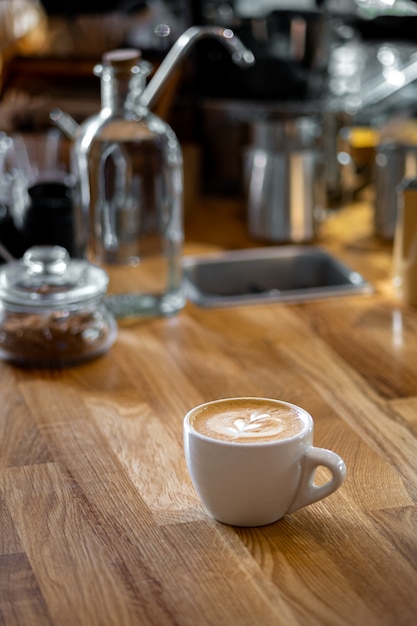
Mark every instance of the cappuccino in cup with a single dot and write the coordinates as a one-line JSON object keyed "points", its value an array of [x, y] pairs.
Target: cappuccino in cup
{"points": [[242, 421], [252, 460]]}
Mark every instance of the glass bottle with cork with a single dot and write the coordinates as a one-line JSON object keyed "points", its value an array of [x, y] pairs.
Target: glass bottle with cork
{"points": [[128, 206]]}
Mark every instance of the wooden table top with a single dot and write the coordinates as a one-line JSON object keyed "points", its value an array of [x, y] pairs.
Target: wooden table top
{"points": [[100, 524]]}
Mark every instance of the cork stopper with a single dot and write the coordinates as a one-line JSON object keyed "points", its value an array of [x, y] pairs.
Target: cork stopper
{"points": [[122, 59]]}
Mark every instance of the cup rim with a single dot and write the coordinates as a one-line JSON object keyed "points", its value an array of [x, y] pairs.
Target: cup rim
{"points": [[307, 420]]}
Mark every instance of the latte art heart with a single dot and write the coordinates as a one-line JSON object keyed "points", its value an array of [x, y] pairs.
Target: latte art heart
{"points": [[257, 425], [250, 420]]}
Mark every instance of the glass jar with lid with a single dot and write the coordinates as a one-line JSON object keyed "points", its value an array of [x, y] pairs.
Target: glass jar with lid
{"points": [[51, 310]]}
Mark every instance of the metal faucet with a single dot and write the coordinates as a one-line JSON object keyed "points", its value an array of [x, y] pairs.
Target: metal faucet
{"points": [[241, 55]]}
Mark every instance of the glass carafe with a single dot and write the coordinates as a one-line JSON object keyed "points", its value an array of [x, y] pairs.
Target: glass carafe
{"points": [[128, 164]]}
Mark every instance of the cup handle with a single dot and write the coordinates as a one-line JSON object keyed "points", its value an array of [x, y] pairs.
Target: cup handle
{"points": [[308, 492]]}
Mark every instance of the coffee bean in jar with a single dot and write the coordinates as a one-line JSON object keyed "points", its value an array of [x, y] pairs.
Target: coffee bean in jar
{"points": [[51, 310]]}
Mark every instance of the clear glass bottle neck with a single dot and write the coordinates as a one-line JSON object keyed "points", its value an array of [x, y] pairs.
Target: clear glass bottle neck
{"points": [[121, 91]]}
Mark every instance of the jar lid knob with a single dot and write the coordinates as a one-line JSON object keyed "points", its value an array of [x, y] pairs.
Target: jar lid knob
{"points": [[47, 260]]}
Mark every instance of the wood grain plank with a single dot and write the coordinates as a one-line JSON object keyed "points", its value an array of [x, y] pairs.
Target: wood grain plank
{"points": [[297, 557], [406, 409], [20, 441], [319, 563], [385, 332], [152, 457], [59, 532], [229, 581], [21, 601], [9, 538], [229, 354]]}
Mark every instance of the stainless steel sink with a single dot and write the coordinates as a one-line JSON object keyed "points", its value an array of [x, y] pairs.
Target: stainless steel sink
{"points": [[273, 274]]}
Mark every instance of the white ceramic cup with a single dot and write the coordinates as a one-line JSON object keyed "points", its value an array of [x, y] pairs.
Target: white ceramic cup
{"points": [[255, 481]]}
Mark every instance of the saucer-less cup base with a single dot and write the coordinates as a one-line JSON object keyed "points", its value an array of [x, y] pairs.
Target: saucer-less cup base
{"points": [[254, 484]]}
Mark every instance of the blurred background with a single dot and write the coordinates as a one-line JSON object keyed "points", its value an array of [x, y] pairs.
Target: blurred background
{"points": [[338, 74]]}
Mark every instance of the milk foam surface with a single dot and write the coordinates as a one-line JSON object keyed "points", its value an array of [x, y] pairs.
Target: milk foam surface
{"points": [[248, 421]]}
